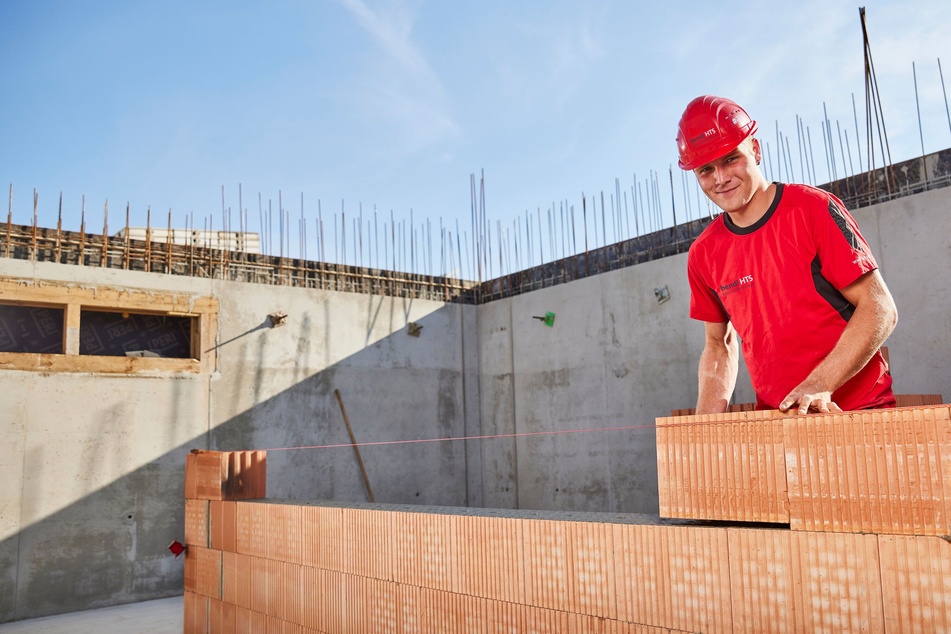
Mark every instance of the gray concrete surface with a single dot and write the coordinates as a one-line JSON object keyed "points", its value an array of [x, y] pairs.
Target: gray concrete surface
{"points": [[276, 390], [160, 616], [909, 237], [92, 479], [614, 358], [93, 489]]}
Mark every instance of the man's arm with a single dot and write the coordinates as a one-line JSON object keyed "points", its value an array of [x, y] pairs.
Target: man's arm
{"points": [[718, 366], [874, 319]]}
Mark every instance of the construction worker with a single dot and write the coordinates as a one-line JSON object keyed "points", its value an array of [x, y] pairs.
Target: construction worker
{"points": [[786, 270]]}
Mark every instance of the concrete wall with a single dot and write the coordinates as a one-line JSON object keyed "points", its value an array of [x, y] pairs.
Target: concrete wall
{"points": [[90, 471], [614, 357], [276, 390], [93, 474], [910, 239], [93, 477]]}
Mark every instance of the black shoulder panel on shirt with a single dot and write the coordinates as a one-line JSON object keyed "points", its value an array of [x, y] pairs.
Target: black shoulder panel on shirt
{"points": [[843, 224], [830, 293]]}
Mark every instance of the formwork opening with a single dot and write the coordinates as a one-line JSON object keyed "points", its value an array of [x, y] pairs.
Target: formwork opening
{"points": [[124, 334], [25, 328]]}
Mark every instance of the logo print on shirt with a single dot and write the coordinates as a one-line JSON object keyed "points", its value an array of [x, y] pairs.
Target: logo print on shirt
{"points": [[735, 285]]}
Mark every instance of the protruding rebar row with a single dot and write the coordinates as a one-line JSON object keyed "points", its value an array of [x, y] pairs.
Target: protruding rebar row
{"points": [[490, 250]]}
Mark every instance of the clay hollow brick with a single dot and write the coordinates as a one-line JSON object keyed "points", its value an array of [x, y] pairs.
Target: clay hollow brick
{"points": [[279, 566], [881, 471], [225, 475]]}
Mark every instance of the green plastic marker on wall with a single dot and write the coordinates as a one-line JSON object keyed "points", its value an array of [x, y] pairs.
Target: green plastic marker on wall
{"points": [[548, 319]]}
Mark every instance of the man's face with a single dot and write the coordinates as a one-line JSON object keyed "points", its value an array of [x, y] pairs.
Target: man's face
{"points": [[732, 181]]}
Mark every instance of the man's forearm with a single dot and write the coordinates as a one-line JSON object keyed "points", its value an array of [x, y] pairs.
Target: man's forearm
{"points": [[717, 379]]}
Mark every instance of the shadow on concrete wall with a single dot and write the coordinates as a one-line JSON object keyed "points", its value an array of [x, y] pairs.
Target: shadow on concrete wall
{"points": [[110, 546]]}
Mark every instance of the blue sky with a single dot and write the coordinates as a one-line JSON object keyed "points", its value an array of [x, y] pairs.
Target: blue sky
{"points": [[392, 105]]}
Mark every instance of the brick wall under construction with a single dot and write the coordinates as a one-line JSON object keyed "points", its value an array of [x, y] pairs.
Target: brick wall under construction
{"points": [[255, 565]]}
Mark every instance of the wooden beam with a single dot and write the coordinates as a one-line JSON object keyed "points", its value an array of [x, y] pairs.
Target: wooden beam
{"points": [[71, 331], [90, 363]]}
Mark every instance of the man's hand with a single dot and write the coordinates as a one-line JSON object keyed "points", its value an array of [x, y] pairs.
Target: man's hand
{"points": [[805, 397]]}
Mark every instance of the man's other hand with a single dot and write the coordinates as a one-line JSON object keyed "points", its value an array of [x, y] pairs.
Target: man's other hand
{"points": [[805, 399]]}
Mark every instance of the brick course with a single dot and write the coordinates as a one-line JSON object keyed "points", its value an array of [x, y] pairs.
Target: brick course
{"points": [[334, 568]]}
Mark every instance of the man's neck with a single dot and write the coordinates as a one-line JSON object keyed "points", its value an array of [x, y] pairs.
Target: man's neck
{"points": [[759, 204]]}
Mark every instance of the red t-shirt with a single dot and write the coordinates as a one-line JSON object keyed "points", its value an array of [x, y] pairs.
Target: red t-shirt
{"points": [[778, 282]]}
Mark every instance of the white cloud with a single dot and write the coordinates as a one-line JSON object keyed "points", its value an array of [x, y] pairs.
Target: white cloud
{"points": [[400, 88]]}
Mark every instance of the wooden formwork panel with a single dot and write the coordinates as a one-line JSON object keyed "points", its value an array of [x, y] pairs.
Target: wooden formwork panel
{"points": [[876, 471], [723, 467]]}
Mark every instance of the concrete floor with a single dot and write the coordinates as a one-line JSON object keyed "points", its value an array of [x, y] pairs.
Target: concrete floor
{"points": [[163, 616]]}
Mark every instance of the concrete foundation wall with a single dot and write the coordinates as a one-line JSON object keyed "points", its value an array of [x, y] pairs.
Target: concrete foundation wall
{"points": [[93, 480], [90, 468], [910, 239], [276, 389], [614, 358], [92, 477]]}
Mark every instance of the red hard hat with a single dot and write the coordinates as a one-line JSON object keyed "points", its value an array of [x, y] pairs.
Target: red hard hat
{"points": [[709, 128]]}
